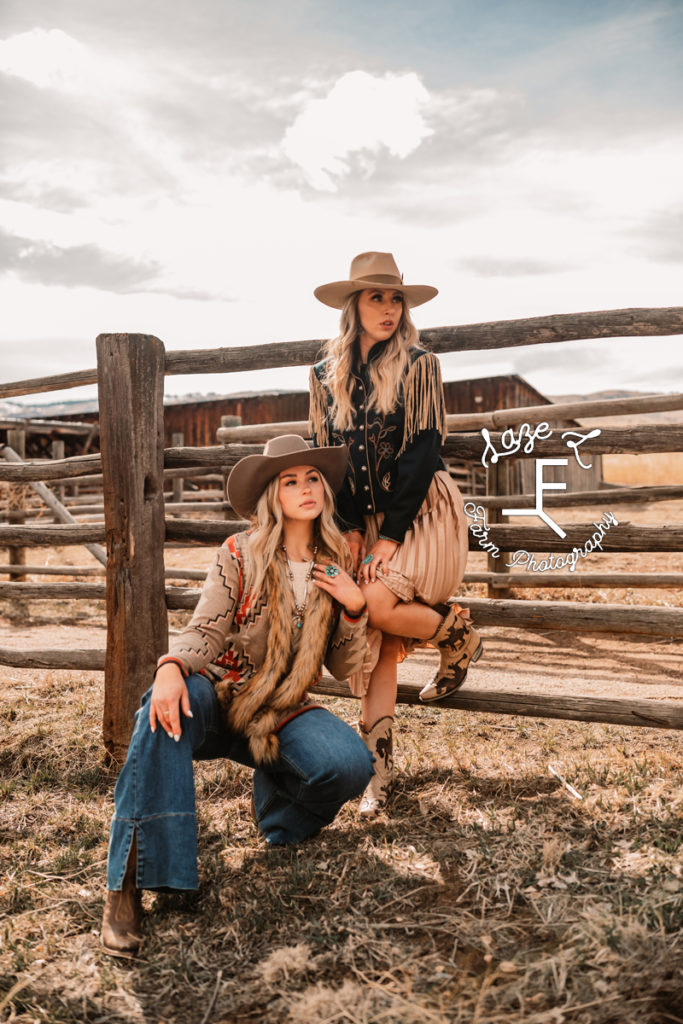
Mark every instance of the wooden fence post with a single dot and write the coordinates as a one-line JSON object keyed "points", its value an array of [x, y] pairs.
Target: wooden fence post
{"points": [[16, 504], [131, 387], [177, 441], [57, 451], [229, 421], [496, 483]]}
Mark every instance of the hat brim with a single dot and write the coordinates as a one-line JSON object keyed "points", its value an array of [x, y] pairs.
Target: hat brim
{"points": [[336, 293], [250, 476]]}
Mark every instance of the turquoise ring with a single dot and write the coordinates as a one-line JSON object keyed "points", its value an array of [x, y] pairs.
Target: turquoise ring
{"points": [[368, 559], [332, 570]]}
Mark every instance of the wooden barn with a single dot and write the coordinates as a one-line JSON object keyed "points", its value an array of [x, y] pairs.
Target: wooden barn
{"points": [[193, 420], [198, 420]]}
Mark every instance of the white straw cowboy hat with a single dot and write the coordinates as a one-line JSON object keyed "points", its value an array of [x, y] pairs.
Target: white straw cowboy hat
{"points": [[250, 475], [373, 270]]}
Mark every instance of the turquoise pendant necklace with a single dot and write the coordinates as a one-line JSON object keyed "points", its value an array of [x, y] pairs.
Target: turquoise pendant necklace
{"points": [[299, 609]]}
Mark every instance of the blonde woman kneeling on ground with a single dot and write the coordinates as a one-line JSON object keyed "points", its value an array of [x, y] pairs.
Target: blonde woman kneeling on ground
{"points": [[277, 603]]}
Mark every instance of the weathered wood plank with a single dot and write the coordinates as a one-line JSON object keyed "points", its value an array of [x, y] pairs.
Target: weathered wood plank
{"points": [[52, 591], [221, 458], [611, 440], [52, 469], [37, 426], [58, 570], [176, 597], [624, 537], [500, 418], [54, 504], [539, 330], [56, 382], [51, 534], [98, 570], [654, 714], [503, 418], [179, 597], [559, 327], [131, 388], [195, 531], [262, 432], [16, 497], [581, 617], [577, 579], [570, 499], [74, 658]]}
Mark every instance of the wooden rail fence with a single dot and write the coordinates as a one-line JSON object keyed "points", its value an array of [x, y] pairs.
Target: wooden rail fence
{"points": [[132, 467]]}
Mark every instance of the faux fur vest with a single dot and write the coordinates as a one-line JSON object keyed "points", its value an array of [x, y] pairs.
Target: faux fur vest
{"points": [[258, 705]]}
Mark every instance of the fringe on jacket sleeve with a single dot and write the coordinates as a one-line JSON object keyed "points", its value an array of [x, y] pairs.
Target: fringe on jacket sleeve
{"points": [[317, 411], [423, 401]]}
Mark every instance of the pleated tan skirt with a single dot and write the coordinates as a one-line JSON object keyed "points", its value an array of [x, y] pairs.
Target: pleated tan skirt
{"points": [[427, 566]]}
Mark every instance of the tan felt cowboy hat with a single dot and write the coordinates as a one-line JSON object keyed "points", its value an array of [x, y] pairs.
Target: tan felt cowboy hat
{"points": [[249, 477], [373, 270]]}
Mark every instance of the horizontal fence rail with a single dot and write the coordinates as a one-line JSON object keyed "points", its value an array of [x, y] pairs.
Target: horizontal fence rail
{"points": [[611, 580], [612, 440], [655, 714], [261, 432], [91, 570], [625, 537], [540, 330], [658, 715]]}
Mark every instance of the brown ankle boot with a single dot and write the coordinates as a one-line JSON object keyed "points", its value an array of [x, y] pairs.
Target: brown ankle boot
{"points": [[379, 741], [122, 919], [460, 645]]}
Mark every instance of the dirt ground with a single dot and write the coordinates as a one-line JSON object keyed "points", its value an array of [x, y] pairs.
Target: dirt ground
{"points": [[490, 894]]}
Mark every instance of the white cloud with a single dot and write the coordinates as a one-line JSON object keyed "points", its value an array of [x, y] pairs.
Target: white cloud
{"points": [[361, 115], [49, 58]]}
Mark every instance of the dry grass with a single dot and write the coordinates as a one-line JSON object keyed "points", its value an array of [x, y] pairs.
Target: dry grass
{"points": [[490, 894]]}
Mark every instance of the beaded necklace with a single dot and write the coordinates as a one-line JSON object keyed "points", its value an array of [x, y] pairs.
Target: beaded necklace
{"points": [[299, 609]]}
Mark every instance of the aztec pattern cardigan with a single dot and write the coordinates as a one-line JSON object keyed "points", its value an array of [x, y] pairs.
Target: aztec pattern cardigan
{"points": [[392, 457], [260, 664]]}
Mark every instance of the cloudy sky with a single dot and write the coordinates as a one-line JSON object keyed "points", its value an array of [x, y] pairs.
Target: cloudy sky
{"points": [[194, 168]]}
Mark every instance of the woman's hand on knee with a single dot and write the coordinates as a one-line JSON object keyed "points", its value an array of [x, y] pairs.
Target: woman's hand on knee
{"points": [[169, 698], [379, 554]]}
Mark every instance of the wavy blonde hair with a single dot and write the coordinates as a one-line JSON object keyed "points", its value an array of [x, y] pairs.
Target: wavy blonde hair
{"points": [[268, 534], [386, 372]]}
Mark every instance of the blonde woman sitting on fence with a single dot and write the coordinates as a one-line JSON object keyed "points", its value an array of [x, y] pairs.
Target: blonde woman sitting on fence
{"points": [[380, 393], [277, 603]]}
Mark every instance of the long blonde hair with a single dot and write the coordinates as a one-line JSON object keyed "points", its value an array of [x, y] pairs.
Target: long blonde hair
{"points": [[268, 534], [386, 372]]}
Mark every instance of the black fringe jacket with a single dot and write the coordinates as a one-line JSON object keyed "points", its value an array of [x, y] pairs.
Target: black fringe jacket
{"points": [[393, 457]]}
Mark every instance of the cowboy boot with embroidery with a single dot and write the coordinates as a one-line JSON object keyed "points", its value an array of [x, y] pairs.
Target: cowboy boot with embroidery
{"points": [[122, 918], [460, 645], [379, 741]]}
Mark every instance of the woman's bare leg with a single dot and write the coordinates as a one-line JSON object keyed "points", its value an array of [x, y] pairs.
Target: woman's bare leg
{"points": [[396, 617], [376, 727], [380, 700]]}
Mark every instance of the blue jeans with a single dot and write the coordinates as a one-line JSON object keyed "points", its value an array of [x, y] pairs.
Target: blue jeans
{"points": [[322, 763]]}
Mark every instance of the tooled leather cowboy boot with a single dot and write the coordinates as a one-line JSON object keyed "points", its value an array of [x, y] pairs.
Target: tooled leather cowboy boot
{"points": [[460, 645], [122, 919], [379, 741]]}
